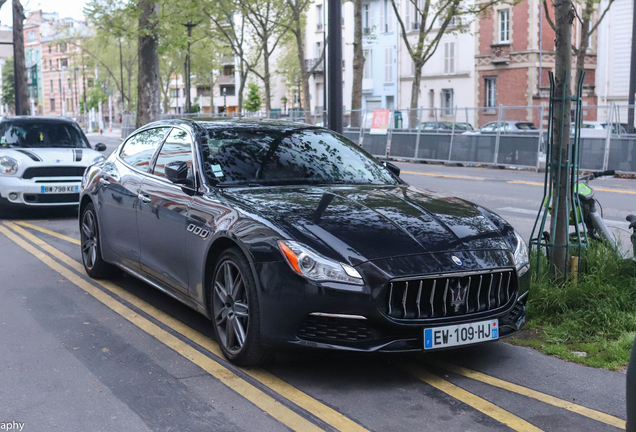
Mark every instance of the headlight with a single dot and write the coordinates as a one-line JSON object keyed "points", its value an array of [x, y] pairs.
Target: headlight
{"points": [[522, 260], [98, 159], [8, 165], [310, 264]]}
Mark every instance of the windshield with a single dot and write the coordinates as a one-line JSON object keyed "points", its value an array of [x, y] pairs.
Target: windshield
{"points": [[22, 134], [259, 157]]}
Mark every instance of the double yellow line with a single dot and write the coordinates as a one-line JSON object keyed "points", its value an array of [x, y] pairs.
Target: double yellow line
{"points": [[258, 397]]}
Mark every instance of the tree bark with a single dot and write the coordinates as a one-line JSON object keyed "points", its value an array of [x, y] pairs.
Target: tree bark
{"points": [[266, 74], [415, 95], [563, 16], [304, 74], [584, 40], [148, 73], [243, 77], [358, 65], [19, 64]]}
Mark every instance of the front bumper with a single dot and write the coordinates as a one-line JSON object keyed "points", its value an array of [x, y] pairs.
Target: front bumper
{"points": [[299, 313], [29, 192]]}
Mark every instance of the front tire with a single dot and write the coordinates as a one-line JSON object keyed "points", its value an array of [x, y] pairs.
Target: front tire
{"points": [[92, 259], [235, 310]]}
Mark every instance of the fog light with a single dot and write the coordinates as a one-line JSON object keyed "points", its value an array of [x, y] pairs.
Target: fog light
{"points": [[13, 196]]}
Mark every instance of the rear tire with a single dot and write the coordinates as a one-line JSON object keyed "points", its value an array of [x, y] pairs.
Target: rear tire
{"points": [[91, 249], [235, 310]]}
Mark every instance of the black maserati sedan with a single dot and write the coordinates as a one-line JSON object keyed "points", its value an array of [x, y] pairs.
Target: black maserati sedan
{"points": [[285, 234]]}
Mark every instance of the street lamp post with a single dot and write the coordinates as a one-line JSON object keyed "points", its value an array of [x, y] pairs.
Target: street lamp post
{"points": [[63, 89], [121, 77], [224, 101], [188, 104], [334, 78]]}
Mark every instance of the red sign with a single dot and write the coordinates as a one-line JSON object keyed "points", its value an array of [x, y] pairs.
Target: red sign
{"points": [[380, 123]]}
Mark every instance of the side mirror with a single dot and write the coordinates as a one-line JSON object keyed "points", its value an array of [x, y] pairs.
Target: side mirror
{"points": [[394, 169], [177, 173], [100, 147]]}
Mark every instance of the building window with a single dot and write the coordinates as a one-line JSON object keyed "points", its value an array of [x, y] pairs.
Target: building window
{"points": [[50, 64], [431, 102], [174, 93], [385, 16], [318, 50], [64, 62], [449, 57], [368, 60], [32, 37], [90, 82], [319, 24], [388, 65], [52, 89], [504, 26], [228, 90], [447, 102], [368, 20], [52, 102], [491, 92]]}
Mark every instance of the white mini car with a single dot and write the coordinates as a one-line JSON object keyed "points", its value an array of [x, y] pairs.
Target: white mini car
{"points": [[42, 161]]}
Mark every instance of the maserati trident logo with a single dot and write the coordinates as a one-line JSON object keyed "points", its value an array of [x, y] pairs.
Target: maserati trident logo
{"points": [[459, 294], [456, 260]]}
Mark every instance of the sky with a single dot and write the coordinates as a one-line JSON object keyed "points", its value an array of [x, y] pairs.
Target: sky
{"points": [[66, 8]]}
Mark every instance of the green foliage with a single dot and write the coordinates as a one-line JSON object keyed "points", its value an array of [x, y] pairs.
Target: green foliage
{"points": [[93, 98], [8, 90], [254, 100], [596, 316]]}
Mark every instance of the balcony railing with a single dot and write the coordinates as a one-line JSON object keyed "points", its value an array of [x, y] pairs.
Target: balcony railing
{"points": [[309, 63], [225, 79]]}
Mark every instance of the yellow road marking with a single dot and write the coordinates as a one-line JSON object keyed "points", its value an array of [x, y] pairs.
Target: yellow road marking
{"points": [[49, 232], [257, 397], [596, 189], [309, 404], [470, 399], [443, 175], [496, 382]]}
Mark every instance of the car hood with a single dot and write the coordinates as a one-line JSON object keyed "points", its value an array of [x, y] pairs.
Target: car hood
{"points": [[362, 223], [51, 156]]}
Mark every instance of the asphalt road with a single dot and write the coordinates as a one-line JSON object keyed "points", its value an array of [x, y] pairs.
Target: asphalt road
{"points": [[84, 355]]}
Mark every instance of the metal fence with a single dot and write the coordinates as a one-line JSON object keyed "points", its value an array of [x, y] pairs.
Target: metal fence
{"points": [[503, 136]]}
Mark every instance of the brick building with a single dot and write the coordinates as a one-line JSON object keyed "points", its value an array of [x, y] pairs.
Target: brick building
{"points": [[513, 45]]}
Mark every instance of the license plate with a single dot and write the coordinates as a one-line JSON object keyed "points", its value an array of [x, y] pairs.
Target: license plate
{"points": [[59, 189], [461, 334]]}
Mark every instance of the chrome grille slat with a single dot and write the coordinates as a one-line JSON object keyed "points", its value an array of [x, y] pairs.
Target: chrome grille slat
{"points": [[432, 297], [417, 302], [481, 279], [445, 295], [463, 294], [406, 293]]}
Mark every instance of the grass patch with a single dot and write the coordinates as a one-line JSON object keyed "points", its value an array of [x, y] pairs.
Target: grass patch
{"points": [[592, 322]]}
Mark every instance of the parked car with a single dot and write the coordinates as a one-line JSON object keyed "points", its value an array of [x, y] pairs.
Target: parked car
{"points": [[597, 129], [42, 160], [290, 235], [445, 126], [507, 127]]}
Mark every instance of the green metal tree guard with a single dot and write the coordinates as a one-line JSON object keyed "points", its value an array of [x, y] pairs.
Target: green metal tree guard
{"points": [[540, 239]]}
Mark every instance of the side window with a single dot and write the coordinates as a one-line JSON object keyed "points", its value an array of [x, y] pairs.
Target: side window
{"points": [[176, 148], [138, 150]]}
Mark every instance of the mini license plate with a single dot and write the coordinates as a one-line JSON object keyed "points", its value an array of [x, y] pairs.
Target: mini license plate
{"points": [[59, 189], [461, 334]]}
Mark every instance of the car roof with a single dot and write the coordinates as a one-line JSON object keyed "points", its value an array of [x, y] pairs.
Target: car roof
{"points": [[214, 123], [32, 119]]}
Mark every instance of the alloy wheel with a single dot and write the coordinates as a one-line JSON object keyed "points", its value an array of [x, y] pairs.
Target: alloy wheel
{"points": [[89, 239], [231, 311]]}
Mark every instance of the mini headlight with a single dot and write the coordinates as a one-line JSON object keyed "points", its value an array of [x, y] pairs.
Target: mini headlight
{"points": [[522, 260], [8, 165], [310, 264]]}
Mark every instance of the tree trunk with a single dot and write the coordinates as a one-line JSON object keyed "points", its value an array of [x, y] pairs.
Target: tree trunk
{"points": [[19, 65], [266, 75], [148, 73], [358, 64], [415, 95], [243, 77], [304, 74], [563, 16]]}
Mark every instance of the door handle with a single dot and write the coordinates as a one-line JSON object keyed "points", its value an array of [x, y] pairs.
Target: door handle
{"points": [[103, 181], [144, 198]]}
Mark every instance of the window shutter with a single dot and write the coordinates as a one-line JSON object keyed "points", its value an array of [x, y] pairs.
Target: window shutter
{"points": [[407, 15], [451, 60], [382, 16]]}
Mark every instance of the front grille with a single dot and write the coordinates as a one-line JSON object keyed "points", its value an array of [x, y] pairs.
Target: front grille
{"points": [[330, 329], [51, 198], [53, 171], [451, 296]]}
